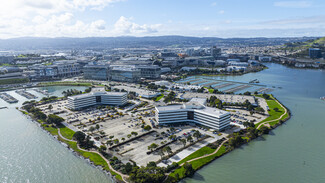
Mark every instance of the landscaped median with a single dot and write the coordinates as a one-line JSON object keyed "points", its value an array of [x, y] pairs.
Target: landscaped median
{"points": [[65, 83], [277, 112]]}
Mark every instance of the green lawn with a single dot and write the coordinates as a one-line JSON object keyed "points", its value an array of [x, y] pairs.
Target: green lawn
{"points": [[273, 114], [13, 81], [66, 132], [200, 162], [159, 97], [52, 130], [201, 152], [211, 90]]}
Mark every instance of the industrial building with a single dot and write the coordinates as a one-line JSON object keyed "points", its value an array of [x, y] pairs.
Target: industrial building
{"points": [[193, 112]]}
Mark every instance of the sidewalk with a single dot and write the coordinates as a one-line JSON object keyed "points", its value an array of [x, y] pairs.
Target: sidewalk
{"points": [[186, 152]]}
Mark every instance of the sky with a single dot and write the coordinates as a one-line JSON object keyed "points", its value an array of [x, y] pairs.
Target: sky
{"points": [[200, 18]]}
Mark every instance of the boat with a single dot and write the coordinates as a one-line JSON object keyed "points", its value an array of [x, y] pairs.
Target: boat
{"points": [[254, 81], [322, 98]]}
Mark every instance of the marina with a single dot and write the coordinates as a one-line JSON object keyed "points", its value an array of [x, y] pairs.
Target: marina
{"points": [[227, 86], [8, 98], [25, 94]]}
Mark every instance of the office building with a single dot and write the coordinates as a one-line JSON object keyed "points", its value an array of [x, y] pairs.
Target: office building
{"points": [[193, 112], [315, 53], [59, 69], [97, 97], [149, 71], [96, 71], [125, 73]]}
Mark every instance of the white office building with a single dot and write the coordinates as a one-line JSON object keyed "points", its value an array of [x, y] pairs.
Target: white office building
{"points": [[195, 112], [97, 98]]}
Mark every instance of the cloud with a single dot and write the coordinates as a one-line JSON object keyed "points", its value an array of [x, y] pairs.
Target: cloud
{"points": [[125, 26], [293, 4], [221, 12], [214, 4], [302, 21], [99, 25]]}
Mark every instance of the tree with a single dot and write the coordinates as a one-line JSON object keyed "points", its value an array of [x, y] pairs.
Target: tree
{"points": [[276, 109], [197, 134], [161, 153], [97, 127], [134, 133], [129, 135], [52, 118], [92, 129], [128, 167], [183, 141], [147, 128], [50, 107], [189, 138], [79, 136], [116, 141], [109, 142], [152, 146], [111, 137], [152, 164], [236, 141], [264, 130], [168, 150], [102, 148], [189, 171], [123, 139], [172, 137]]}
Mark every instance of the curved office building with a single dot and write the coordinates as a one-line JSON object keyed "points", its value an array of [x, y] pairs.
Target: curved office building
{"points": [[194, 111], [97, 98]]}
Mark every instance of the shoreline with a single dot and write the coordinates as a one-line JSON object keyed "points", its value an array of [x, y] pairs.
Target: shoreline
{"points": [[209, 157], [76, 154]]}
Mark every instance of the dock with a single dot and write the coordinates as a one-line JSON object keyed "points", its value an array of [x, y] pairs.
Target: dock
{"points": [[223, 85], [25, 94], [8, 98], [237, 88]]}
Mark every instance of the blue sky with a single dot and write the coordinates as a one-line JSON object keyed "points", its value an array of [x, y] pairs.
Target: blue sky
{"points": [[216, 18]]}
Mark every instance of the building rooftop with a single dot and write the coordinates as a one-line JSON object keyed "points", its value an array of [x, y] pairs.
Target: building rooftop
{"points": [[197, 104], [97, 91]]}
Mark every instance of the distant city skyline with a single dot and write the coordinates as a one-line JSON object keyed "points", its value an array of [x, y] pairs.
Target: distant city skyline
{"points": [[200, 18]]}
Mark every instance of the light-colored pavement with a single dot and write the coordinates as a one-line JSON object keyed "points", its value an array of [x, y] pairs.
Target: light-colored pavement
{"points": [[186, 152]]}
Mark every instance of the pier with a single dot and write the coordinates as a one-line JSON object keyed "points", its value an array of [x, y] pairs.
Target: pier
{"points": [[25, 94], [8, 98], [237, 88], [223, 85]]}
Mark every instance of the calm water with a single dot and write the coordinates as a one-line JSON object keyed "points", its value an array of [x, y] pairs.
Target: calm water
{"points": [[28, 154], [294, 152]]}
